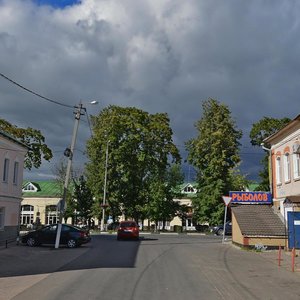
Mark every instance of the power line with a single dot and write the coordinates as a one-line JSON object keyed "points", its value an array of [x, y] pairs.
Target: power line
{"points": [[89, 122], [34, 93]]}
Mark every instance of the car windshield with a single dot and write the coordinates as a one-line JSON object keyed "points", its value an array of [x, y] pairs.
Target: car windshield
{"points": [[128, 224]]}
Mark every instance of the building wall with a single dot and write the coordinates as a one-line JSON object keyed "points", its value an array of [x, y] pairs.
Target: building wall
{"points": [[282, 146], [237, 236], [14, 153], [266, 241], [10, 191], [40, 205]]}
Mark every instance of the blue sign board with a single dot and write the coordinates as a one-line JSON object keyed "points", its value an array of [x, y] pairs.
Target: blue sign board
{"points": [[251, 197]]}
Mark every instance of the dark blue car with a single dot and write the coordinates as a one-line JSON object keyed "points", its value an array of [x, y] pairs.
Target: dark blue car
{"points": [[219, 229], [71, 236]]}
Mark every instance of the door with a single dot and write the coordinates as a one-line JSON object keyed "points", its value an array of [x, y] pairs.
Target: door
{"points": [[294, 229]]}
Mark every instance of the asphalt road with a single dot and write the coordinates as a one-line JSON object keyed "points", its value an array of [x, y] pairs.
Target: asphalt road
{"points": [[156, 267]]}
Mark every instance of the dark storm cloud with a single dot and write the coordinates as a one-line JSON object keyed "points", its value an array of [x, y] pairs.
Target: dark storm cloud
{"points": [[161, 56]]}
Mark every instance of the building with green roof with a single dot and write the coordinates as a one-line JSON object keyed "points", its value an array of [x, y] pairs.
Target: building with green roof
{"points": [[40, 202]]}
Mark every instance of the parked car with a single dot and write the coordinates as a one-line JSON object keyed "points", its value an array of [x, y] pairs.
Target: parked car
{"points": [[128, 230], [70, 235], [219, 229]]}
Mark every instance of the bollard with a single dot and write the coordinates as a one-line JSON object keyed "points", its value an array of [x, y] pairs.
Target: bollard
{"points": [[279, 256], [6, 243], [293, 260]]}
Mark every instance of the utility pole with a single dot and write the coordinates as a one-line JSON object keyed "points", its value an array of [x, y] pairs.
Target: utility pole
{"points": [[104, 189], [69, 153]]}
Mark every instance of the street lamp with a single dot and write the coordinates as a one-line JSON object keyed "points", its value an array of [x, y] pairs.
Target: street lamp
{"points": [[69, 153], [104, 189]]}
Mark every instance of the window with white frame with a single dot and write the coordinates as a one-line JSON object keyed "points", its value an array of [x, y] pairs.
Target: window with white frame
{"points": [[16, 173], [51, 214], [29, 187], [189, 189], [296, 165], [27, 214], [278, 170], [2, 215], [287, 167], [5, 170]]}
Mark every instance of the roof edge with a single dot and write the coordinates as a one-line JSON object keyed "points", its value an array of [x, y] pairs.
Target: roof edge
{"points": [[283, 129]]}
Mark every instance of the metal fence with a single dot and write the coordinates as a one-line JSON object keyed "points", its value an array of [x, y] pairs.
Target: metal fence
{"points": [[9, 241]]}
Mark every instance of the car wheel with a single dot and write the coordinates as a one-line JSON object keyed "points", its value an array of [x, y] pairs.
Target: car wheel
{"points": [[72, 243], [220, 232], [31, 242]]}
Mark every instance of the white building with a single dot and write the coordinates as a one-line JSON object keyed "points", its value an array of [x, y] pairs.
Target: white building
{"points": [[12, 154], [285, 167]]}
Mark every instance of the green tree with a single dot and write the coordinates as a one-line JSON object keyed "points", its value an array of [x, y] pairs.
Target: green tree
{"points": [[214, 153], [83, 199], [32, 138], [260, 131], [139, 146], [163, 190]]}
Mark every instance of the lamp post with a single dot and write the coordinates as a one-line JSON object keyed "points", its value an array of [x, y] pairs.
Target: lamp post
{"points": [[69, 153], [104, 189]]}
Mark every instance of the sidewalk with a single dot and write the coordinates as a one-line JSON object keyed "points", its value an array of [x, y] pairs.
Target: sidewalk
{"points": [[22, 266], [283, 260]]}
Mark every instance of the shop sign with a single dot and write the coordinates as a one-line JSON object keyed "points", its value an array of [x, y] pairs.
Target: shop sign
{"points": [[251, 197]]}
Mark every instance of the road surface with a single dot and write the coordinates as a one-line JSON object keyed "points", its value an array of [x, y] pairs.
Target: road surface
{"points": [[156, 267]]}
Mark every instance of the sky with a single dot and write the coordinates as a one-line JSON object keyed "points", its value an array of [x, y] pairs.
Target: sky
{"points": [[156, 55]]}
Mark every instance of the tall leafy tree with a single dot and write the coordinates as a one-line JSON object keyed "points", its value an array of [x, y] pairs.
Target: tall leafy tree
{"points": [[83, 199], [214, 153], [163, 190], [139, 145], [32, 138], [261, 130]]}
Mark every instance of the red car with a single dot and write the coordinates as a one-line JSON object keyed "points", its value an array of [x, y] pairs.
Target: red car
{"points": [[128, 230]]}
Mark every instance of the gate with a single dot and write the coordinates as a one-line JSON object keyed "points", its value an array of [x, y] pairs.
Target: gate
{"points": [[294, 229]]}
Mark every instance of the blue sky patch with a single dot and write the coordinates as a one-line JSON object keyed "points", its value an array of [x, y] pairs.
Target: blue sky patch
{"points": [[58, 3]]}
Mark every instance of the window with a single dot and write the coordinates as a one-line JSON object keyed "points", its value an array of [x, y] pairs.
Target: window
{"points": [[189, 189], [29, 187], [287, 167], [16, 173], [296, 165], [278, 170], [51, 214], [2, 217], [27, 214], [5, 170]]}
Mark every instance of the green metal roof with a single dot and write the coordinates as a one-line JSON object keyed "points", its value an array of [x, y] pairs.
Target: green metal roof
{"points": [[252, 186], [44, 189]]}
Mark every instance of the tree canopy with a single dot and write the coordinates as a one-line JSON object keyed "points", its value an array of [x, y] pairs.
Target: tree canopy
{"points": [[140, 147], [162, 191], [83, 199], [260, 131], [215, 154], [32, 138]]}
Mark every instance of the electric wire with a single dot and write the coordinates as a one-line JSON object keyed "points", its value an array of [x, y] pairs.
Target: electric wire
{"points": [[89, 122], [34, 93]]}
